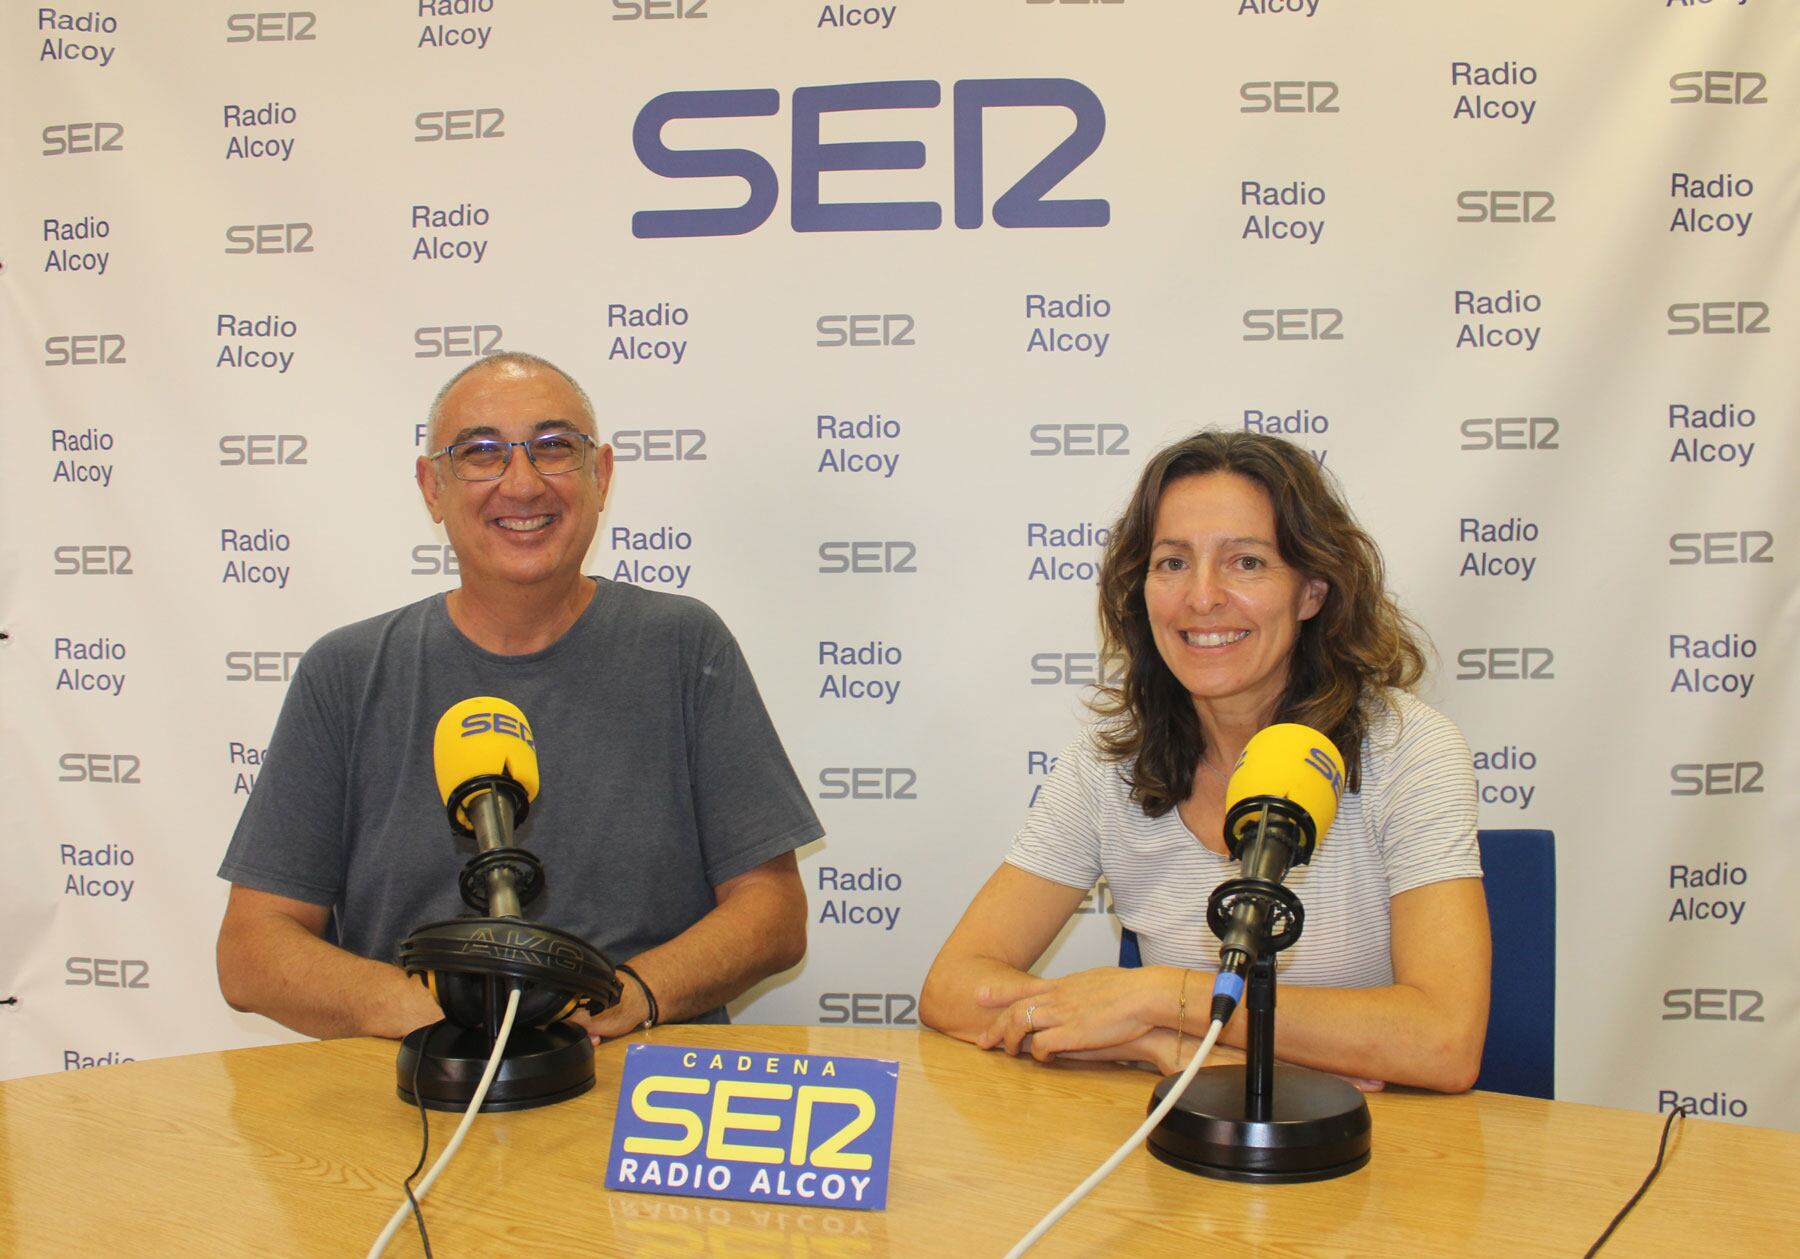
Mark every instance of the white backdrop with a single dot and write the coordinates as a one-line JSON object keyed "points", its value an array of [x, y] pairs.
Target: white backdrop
{"points": [[1522, 275]]}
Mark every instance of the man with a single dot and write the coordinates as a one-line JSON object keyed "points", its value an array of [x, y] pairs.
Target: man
{"points": [[669, 812]]}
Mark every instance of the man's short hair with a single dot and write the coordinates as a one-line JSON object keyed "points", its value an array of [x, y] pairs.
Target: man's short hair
{"points": [[513, 358]]}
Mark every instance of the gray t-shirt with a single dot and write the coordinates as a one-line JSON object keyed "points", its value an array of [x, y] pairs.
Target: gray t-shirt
{"points": [[662, 775]]}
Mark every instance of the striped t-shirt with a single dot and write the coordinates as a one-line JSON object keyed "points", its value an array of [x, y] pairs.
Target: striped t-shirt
{"points": [[1412, 823]]}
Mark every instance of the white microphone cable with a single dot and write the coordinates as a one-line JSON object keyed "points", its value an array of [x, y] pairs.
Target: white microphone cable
{"points": [[1118, 1156], [481, 1092]]}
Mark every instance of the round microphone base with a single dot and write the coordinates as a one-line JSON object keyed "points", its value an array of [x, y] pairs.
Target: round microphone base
{"points": [[1314, 1127], [541, 1066]]}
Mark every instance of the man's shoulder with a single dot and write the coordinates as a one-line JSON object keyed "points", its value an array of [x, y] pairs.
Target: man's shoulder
{"points": [[641, 609], [371, 630], [360, 641]]}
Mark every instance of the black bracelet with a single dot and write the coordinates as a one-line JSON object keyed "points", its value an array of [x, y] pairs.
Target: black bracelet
{"points": [[650, 1019]]}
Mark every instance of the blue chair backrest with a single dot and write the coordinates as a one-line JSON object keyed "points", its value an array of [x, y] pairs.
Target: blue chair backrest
{"points": [[1520, 882], [1519, 876], [1129, 954]]}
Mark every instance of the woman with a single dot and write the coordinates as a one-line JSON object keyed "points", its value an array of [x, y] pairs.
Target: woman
{"points": [[1238, 591]]}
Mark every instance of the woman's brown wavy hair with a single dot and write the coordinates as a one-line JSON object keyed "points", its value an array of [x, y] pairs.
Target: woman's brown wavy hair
{"points": [[1358, 644]]}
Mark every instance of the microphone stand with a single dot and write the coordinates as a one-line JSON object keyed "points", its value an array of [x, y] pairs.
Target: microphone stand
{"points": [[1262, 1122], [471, 964]]}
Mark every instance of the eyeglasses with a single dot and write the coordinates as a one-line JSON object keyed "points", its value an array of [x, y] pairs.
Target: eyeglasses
{"points": [[485, 459]]}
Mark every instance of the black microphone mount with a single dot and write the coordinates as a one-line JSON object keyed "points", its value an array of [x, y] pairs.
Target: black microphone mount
{"points": [[1262, 1122], [1256, 913], [471, 964]]}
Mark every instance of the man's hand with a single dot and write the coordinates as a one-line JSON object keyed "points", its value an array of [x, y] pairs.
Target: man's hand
{"points": [[273, 961], [623, 1019]]}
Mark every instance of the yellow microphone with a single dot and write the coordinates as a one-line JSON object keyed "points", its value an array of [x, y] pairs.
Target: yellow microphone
{"points": [[480, 745], [1281, 799], [487, 774], [485, 759], [1287, 762]]}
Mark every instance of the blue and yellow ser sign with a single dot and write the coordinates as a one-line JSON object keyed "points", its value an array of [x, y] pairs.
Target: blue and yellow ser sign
{"points": [[762, 1127]]}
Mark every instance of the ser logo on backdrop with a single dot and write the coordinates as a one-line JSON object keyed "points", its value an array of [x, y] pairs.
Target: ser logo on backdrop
{"points": [[1079, 440], [100, 767], [1722, 546], [1719, 87], [1718, 319], [429, 559], [64, 138], [261, 666], [1074, 668], [457, 340], [867, 331], [868, 782], [1294, 323], [1716, 778], [868, 1009], [1505, 205], [1511, 432], [482, 122], [93, 560], [1025, 204], [262, 450], [107, 972], [1289, 96], [85, 349], [269, 238], [1716, 1005], [874, 555], [279, 27], [1505, 664], [654, 10], [658, 445]]}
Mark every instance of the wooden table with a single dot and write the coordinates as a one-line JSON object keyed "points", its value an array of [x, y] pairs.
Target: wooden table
{"points": [[300, 1150]]}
